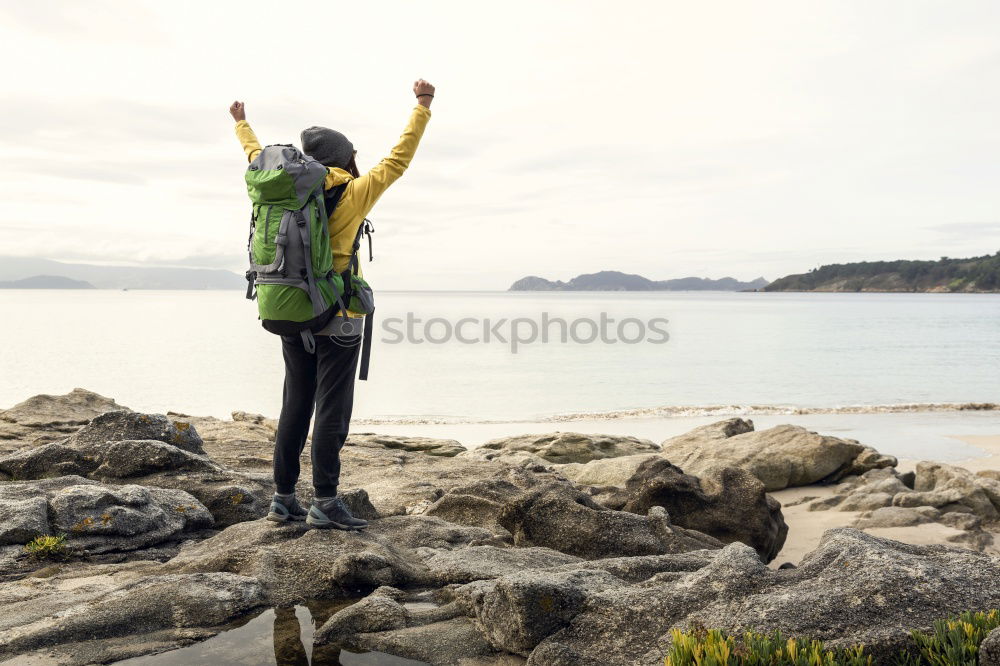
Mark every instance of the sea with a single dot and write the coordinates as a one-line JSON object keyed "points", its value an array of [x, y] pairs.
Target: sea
{"points": [[893, 368]]}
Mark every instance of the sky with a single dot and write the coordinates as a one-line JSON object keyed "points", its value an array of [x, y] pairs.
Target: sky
{"points": [[668, 139]]}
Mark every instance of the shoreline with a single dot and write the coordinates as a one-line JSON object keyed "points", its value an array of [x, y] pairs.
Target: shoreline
{"points": [[682, 411], [990, 444], [910, 436]]}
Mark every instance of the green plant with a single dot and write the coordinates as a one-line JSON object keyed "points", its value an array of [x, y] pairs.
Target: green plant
{"points": [[700, 647], [47, 546], [954, 642]]}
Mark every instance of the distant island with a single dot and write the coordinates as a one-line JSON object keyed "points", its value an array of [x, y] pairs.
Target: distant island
{"points": [[45, 282], [947, 275], [617, 281], [37, 273]]}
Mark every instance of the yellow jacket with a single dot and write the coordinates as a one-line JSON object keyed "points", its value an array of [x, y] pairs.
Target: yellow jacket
{"points": [[361, 193]]}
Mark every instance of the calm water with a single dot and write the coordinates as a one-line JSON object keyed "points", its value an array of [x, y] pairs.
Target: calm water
{"points": [[276, 637], [205, 353]]}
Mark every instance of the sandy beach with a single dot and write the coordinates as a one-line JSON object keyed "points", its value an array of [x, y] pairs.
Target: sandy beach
{"points": [[988, 443], [805, 527]]}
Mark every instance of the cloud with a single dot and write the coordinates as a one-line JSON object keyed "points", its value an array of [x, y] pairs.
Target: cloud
{"points": [[46, 121], [93, 21], [965, 230], [666, 139], [233, 261]]}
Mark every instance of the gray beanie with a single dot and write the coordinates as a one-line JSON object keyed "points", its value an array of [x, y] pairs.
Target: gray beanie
{"points": [[327, 146]]}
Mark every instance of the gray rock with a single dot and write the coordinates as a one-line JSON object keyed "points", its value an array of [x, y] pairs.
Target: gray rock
{"points": [[428, 445], [519, 611], [46, 418], [854, 588], [727, 503], [951, 488], [244, 428], [133, 458], [866, 502], [357, 502], [21, 520], [975, 539], [245, 441], [379, 611], [45, 461], [455, 642], [115, 445], [961, 521], [83, 630], [508, 457], [295, 563], [103, 518], [989, 649], [557, 516], [98, 518], [419, 532], [716, 432], [128, 425], [781, 457], [606, 471], [480, 503], [230, 496], [399, 481], [897, 516], [825, 503], [573, 447], [464, 565]]}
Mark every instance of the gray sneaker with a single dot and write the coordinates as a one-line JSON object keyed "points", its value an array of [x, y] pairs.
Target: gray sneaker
{"points": [[283, 510], [333, 513]]}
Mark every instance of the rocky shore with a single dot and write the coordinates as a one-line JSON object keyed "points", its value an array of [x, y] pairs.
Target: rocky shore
{"points": [[125, 534]]}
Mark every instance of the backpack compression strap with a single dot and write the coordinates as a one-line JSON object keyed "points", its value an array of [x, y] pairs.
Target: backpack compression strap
{"points": [[366, 229], [366, 346]]}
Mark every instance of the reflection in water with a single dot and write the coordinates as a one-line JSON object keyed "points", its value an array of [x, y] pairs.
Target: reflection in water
{"points": [[289, 631], [288, 647]]}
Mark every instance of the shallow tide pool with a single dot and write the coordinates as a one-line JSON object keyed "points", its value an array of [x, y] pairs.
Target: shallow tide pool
{"points": [[275, 637]]}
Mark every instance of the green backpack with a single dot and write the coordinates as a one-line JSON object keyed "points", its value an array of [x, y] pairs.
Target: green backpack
{"points": [[291, 266]]}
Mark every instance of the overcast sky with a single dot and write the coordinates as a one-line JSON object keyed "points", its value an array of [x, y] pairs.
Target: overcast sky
{"points": [[662, 138]]}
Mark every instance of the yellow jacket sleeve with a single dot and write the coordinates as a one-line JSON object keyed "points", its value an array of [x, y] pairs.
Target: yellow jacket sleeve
{"points": [[251, 146], [369, 187]]}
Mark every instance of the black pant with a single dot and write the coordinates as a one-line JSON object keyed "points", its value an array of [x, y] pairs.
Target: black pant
{"points": [[325, 379]]}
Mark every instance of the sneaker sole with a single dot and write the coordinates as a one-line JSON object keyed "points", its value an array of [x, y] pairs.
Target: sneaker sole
{"points": [[328, 525], [278, 518]]}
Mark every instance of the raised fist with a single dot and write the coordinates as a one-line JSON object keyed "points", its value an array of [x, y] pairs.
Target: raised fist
{"points": [[424, 91], [237, 111]]}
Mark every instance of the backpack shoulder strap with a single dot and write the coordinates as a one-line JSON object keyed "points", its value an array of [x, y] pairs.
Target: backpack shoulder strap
{"points": [[332, 197], [366, 228]]}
